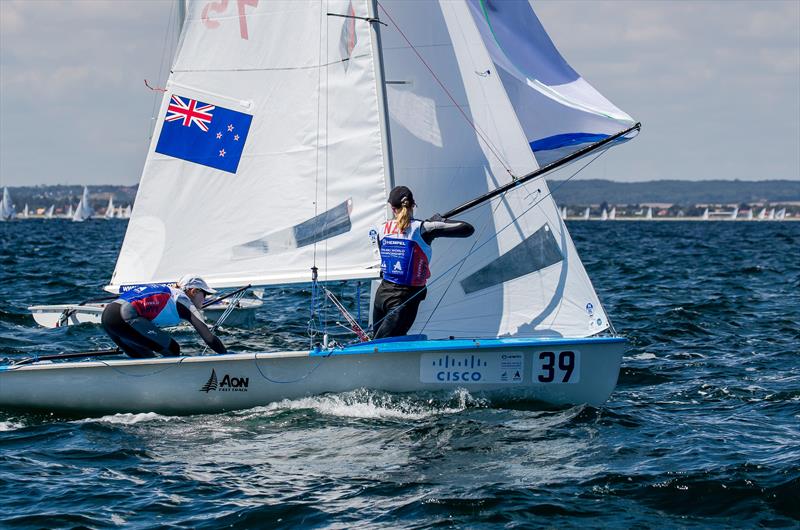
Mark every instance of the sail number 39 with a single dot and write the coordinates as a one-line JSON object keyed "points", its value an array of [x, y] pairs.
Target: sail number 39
{"points": [[557, 367]]}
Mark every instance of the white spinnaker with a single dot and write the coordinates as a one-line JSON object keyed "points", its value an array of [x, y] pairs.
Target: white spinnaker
{"points": [[314, 146], [455, 165]]}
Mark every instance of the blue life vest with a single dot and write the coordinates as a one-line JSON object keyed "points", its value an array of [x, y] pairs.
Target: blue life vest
{"points": [[405, 257]]}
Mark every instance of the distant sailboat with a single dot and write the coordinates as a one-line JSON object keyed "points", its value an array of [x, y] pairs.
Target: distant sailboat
{"points": [[25, 212], [649, 214], [127, 212], [612, 214], [762, 214], [780, 215], [69, 213], [735, 213], [586, 214], [750, 214], [604, 215], [705, 215], [564, 212], [84, 210], [771, 214], [49, 213], [110, 208], [6, 206]]}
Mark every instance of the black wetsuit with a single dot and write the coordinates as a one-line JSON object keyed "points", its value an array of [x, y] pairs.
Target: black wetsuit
{"points": [[395, 306], [139, 337]]}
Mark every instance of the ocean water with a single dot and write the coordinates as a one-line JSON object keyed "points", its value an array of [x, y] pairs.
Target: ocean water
{"points": [[702, 431]]}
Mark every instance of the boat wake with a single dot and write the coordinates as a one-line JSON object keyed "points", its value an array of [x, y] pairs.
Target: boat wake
{"points": [[10, 426], [128, 419], [368, 404]]}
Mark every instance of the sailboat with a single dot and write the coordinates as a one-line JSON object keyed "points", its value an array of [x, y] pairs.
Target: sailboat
{"points": [[749, 216], [109, 209], [564, 213], [612, 214], [84, 210], [771, 216], [604, 215], [780, 215], [705, 216], [6, 206], [25, 212], [510, 313], [735, 213], [127, 212], [48, 214], [69, 213], [586, 214], [649, 214]]}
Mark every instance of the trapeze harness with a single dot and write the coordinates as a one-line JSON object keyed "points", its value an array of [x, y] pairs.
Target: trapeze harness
{"points": [[405, 259], [133, 320]]}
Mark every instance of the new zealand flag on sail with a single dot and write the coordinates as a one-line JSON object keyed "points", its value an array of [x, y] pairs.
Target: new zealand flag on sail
{"points": [[204, 134]]}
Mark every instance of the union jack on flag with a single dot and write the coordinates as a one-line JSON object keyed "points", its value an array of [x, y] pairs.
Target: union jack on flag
{"points": [[188, 111], [217, 141]]}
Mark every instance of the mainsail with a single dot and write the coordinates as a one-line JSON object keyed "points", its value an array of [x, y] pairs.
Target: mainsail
{"points": [[283, 99]]}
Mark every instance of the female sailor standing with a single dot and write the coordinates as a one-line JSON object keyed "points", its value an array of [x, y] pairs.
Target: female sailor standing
{"points": [[133, 320], [405, 246]]}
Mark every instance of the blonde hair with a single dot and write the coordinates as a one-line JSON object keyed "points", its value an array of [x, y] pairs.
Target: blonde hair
{"points": [[403, 215]]}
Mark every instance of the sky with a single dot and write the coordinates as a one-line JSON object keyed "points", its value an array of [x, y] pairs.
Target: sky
{"points": [[716, 85]]}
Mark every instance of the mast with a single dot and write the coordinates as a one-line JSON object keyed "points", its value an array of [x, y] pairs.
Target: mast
{"points": [[181, 14], [375, 24]]}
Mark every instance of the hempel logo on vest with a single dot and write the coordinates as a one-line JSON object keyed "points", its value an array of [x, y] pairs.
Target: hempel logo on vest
{"points": [[228, 383]]}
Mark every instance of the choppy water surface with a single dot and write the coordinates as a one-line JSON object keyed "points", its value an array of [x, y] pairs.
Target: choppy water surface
{"points": [[703, 429]]}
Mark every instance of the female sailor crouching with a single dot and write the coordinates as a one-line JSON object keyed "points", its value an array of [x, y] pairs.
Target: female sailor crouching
{"points": [[405, 245], [133, 320]]}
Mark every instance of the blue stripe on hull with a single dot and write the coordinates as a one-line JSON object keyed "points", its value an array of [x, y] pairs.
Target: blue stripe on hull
{"points": [[417, 343]]}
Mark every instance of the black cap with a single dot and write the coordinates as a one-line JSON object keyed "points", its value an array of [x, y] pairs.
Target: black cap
{"points": [[397, 195]]}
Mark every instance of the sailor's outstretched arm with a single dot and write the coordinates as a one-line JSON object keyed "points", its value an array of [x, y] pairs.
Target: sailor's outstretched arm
{"points": [[194, 317], [436, 226]]}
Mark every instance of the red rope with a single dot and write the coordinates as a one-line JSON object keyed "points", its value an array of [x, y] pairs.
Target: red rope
{"points": [[154, 89], [449, 95]]}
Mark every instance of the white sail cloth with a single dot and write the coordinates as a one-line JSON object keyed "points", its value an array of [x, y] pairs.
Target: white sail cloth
{"points": [[310, 181], [6, 206], [84, 210], [522, 275], [109, 209], [558, 110]]}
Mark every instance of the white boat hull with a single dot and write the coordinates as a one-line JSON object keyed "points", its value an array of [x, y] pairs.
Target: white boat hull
{"points": [[54, 316], [504, 369]]}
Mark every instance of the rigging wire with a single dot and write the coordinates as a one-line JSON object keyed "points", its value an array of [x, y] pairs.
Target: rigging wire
{"points": [[494, 150], [166, 49], [312, 327]]}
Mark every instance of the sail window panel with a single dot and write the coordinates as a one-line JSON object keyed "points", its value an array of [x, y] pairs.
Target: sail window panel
{"points": [[537, 251], [331, 223]]}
